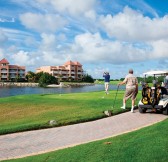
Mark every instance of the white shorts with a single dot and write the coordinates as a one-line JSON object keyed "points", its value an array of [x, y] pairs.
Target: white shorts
{"points": [[106, 83]]}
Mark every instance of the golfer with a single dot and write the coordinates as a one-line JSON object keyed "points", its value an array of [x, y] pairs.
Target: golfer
{"points": [[106, 81], [131, 89]]}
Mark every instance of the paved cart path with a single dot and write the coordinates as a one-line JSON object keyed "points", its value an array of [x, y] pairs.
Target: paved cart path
{"points": [[40, 141]]}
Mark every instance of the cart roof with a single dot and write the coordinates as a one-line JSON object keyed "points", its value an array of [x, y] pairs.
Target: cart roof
{"points": [[155, 73]]}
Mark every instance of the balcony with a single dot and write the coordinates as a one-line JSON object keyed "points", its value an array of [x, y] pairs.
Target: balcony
{"points": [[21, 72], [64, 72], [12, 77], [55, 72], [4, 71], [13, 71], [4, 76], [65, 77], [80, 73]]}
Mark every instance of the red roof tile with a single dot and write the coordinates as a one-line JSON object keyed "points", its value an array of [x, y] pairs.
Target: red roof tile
{"points": [[4, 61], [77, 63], [17, 67], [69, 63]]}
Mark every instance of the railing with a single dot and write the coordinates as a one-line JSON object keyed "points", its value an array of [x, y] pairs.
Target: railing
{"points": [[21, 72], [3, 76], [64, 72], [12, 71]]}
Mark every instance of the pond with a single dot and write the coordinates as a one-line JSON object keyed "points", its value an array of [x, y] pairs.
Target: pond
{"points": [[12, 91]]}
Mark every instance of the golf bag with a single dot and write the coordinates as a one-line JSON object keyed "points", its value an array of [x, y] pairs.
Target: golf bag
{"points": [[151, 96], [146, 95]]}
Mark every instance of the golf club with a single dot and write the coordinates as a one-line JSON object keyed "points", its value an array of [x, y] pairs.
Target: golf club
{"points": [[115, 97]]}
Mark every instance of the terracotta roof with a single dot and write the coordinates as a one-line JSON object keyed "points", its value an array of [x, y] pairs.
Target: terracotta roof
{"points": [[69, 63], [17, 67], [77, 63], [4, 61]]}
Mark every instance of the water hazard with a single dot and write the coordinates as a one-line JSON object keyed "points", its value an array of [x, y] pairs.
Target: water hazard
{"points": [[12, 91]]}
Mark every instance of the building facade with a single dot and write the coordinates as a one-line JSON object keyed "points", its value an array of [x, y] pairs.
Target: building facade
{"points": [[67, 72], [11, 72]]}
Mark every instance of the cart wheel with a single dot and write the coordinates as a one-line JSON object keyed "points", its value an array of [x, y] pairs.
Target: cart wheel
{"points": [[165, 111], [142, 110]]}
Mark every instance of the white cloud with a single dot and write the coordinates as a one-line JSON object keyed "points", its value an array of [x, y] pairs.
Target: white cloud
{"points": [[48, 41], [91, 14], [52, 58], [159, 49], [50, 51], [31, 42], [93, 49], [69, 29], [131, 25], [43, 23], [15, 35], [23, 58], [73, 7]]}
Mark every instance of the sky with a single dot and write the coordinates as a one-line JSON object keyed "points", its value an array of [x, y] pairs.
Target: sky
{"points": [[103, 35]]}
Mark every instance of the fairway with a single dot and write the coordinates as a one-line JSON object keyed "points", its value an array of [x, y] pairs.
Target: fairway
{"points": [[30, 112]]}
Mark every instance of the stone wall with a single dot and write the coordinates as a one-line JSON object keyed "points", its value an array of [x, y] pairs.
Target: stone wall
{"points": [[18, 84]]}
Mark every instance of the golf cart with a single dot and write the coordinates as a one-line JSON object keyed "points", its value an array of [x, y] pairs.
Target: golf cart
{"points": [[154, 98]]}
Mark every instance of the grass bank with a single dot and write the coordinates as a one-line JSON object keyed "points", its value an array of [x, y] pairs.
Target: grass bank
{"points": [[111, 82], [30, 112], [145, 145]]}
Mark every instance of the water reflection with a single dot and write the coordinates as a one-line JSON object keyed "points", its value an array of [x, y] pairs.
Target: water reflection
{"points": [[12, 91]]}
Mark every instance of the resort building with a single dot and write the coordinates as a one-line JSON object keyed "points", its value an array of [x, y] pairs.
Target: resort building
{"points": [[11, 72], [69, 71]]}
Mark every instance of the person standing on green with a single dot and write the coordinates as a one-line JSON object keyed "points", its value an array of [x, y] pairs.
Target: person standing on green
{"points": [[131, 89], [106, 81]]}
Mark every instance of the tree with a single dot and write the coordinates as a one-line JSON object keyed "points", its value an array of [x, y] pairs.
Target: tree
{"points": [[140, 79], [70, 79], [30, 76], [161, 79], [38, 75], [88, 78], [47, 79], [121, 79], [149, 79]]}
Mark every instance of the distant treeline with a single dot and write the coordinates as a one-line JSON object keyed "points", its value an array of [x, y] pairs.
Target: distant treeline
{"points": [[149, 79]]}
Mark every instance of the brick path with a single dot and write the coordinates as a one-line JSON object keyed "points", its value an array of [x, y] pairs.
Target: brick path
{"points": [[35, 142]]}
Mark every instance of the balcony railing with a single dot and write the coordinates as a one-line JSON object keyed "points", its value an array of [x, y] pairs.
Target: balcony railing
{"points": [[21, 72], [80, 73], [64, 72], [4, 71], [3, 76], [13, 71]]}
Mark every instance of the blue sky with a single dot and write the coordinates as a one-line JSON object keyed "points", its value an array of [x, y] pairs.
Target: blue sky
{"points": [[103, 35]]}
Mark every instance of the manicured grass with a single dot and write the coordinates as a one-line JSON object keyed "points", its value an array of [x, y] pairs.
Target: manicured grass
{"points": [[28, 112], [149, 144], [111, 82]]}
